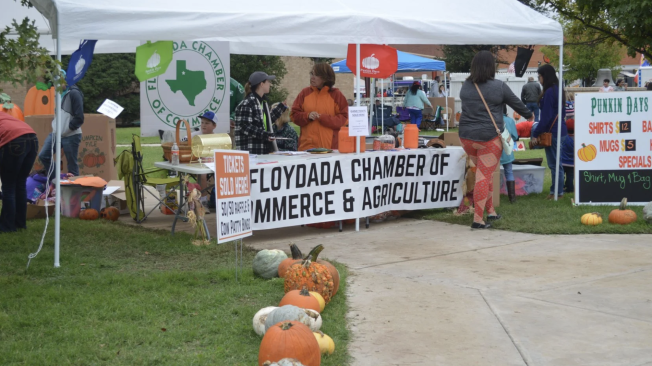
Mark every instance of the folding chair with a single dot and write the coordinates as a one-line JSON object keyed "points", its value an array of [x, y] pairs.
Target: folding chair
{"points": [[141, 178], [428, 122]]}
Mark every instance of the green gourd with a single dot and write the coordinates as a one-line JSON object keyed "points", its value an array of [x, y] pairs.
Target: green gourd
{"points": [[266, 262]]}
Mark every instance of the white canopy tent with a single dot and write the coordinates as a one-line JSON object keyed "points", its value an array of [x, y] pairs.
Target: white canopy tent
{"points": [[292, 27]]}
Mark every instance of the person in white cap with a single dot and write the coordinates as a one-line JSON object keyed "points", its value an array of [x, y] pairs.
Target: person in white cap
{"points": [[254, 119]]}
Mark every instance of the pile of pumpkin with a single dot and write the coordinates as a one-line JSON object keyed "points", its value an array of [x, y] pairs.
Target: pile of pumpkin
{"points": [[108, 213], [622, 215], [291, 332]]}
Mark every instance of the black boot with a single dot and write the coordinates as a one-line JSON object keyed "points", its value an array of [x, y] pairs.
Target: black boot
{"points": [[511, 191]]}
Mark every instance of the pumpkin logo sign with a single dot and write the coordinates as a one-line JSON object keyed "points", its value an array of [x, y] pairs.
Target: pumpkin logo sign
{"points": [[587, 153], [377, 61]]}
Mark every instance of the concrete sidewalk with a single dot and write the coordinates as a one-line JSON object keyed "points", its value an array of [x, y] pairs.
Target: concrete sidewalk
{"points": [[428, 293]]}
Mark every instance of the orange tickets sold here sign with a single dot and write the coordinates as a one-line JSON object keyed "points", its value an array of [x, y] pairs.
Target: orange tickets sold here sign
{"points": [[233, 193], [376, 61]]}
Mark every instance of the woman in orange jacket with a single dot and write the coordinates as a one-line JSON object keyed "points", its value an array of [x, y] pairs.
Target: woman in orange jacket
{"points": [[320, 110]]}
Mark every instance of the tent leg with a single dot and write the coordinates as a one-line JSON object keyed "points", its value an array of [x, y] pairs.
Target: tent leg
{"points": [[382, 103], [446, 92], [357, 102], [57, 151], [559, 111]]}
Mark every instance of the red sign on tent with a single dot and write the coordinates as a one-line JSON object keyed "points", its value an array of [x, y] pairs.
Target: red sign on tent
{"points": [[376, 61]]}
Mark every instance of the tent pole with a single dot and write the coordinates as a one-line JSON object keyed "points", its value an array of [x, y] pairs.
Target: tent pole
{"points": [[446, 92], [357, 83], [382, 104], [57, 151], [559, 120]]}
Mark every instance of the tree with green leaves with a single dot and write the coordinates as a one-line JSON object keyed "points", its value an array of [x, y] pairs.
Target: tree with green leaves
{"points": [[111, 76], [23, 60], [628, 22], [244, 65], [585, 52]]}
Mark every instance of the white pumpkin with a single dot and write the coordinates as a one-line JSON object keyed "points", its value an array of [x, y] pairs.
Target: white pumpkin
{"points": [[315, 320], [287, 312], [259, 319], [647, 213], [284, 362], [266, 262]]}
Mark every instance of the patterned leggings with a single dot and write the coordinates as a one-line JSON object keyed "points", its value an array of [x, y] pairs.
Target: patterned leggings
{"points": [[485, 156]]}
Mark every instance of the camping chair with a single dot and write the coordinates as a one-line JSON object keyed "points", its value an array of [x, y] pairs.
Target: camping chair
{"points": [[428, 121], [403, 114], [141, 178]]}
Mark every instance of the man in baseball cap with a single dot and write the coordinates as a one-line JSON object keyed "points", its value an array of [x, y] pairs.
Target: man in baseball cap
{"points": [[260, 76]]}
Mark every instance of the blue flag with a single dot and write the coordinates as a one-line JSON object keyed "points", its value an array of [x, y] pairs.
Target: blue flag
{"points": [[80, 60]]}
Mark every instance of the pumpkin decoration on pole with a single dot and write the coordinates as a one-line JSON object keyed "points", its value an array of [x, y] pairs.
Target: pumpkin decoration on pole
{"points": [[311, 275], [289, 339], [622, 215], [10, 108]]}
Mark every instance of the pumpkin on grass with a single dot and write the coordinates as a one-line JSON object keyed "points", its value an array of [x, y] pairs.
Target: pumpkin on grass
{"points": [[110, 213], [301, 298], [622, 215], [89, 214], [266, 262], [313, 256], [326, 344], [286, 263], [320, 299], [284, 362], [311, 275], [289, 339], [260, 318], [591, 219], [287, 313]]}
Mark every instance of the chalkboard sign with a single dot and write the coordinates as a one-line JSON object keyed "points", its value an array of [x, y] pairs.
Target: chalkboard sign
{"points": [[613, 147], [614, 185]]}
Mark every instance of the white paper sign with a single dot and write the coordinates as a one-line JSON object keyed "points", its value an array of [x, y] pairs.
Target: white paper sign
{"points": [[110, 108], [358, 121], [613, 147]]}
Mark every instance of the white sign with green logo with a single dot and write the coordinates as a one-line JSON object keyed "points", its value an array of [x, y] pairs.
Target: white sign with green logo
{"points": [[196, 81]]}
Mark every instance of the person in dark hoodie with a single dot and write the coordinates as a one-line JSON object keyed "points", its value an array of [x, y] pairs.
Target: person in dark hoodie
{"points": [[72, 118]]}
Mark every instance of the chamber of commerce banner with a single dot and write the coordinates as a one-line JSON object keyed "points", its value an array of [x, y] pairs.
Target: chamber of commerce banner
{"points": [[196, 81], [613, 147], [313, 190]]}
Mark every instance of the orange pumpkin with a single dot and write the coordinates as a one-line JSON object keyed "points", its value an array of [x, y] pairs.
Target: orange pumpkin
{"points": [[587, 153], [289, 339], [10, 108], [622, 215], [457, 116], [100, 159], [313, 254], [286, 263], [89, 214], [39, 100], [302, 299], [313, 276], [110, 213]]}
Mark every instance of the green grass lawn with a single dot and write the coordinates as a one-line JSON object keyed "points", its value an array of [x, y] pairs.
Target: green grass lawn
{"points": [[123, 136], [130, 296], [534, 214]]}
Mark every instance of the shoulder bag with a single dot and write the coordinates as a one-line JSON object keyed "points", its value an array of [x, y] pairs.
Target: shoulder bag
{"points": [[545, 139], [505, 136]]}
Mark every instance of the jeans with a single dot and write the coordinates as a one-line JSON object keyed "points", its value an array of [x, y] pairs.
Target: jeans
{"points": [[534, 108], [551, 156], [415, 116], [509, 173], [70, 146], [16, 161], [569, 185]]}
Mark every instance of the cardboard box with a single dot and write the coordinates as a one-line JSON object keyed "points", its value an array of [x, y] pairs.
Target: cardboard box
{"points": [[496, 192], [451, 138], [117, 199], [38, 210], [96, 150]]}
